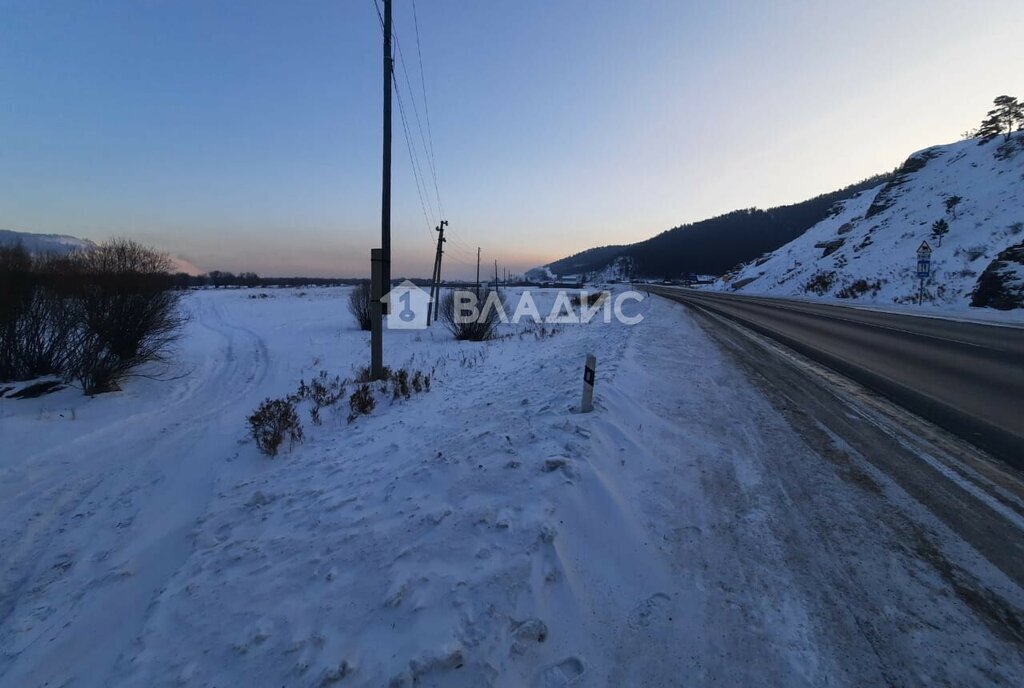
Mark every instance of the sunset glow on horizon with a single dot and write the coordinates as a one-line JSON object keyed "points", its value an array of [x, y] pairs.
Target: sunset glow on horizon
{"points": [[246, 136]]}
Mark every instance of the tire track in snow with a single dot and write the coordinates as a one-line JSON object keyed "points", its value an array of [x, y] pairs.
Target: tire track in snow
{"points": [[106, 540]]}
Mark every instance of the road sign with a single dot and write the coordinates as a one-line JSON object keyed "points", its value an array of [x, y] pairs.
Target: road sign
{"points": [[924, 261], [924, 267]]}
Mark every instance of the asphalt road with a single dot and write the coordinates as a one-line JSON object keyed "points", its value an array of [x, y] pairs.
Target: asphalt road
{"points": [[967, 378]]}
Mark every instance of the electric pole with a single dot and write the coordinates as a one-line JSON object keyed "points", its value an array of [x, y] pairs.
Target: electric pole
{"points": [[435, 279], [478, 271], [380, 273], [385, 209], [495, 274]]}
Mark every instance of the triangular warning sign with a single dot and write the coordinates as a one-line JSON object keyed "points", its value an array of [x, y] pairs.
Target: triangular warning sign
{"points": [[924, 248]]}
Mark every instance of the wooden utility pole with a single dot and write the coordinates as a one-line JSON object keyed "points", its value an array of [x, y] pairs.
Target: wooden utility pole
{"points": [[495, 274], [385, 204], [376, 315], [435, 279], [380, 258], [478, 271]]}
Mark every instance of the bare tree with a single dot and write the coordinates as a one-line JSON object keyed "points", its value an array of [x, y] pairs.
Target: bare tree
{"points": [[359, 304], [128, 310]]}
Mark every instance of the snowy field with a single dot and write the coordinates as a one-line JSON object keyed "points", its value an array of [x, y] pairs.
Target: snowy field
{"points": [[481, 533]]}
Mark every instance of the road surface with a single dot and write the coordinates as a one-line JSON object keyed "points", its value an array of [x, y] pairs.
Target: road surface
{"points": [[965, 377]]}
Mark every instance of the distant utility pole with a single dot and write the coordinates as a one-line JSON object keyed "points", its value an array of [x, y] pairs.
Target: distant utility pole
{"points": [[435, 283], [433, 276], [495, 274], [478, 271], [380, 262]]}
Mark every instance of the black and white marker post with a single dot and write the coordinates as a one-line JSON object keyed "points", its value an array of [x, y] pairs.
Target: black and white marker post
{"points": [[588, 384]]}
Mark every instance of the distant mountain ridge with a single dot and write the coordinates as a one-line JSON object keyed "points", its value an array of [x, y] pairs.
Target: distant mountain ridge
{"points": [[60, 244], [708, 247], [63, 244]]}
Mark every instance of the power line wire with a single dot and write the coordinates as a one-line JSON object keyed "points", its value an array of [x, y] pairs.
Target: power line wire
{"points": [[422, 189], [426, 106], [427, 140], [428, 154], [413, 160], [408, 143]]}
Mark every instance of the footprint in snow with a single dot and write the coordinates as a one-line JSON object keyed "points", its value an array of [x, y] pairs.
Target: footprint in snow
{"points": [[651, 610], [568, 672]]}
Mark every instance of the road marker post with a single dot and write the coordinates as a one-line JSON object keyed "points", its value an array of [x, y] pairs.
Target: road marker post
{"points": [[587, 404], [924, 268]]}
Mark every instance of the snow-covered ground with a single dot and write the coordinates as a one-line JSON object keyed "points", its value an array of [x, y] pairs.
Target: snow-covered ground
{"points": [[481, 533], [866, 252]]}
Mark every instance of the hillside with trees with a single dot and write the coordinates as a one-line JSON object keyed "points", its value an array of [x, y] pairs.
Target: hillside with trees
{"points": [[715, 245]]}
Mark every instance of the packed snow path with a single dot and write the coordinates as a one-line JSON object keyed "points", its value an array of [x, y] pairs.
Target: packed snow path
{"points": [[483, 533], [98, 500]]}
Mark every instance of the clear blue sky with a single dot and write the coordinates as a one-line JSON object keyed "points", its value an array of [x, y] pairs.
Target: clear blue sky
{"points": [[245, 134]]}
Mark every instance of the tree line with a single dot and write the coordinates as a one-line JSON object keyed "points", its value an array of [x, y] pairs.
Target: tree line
{"points": [[221, 279], [713, 246], [91, 317]]}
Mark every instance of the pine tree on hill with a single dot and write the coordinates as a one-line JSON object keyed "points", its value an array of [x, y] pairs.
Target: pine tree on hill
{"points": [[951, 203], [1006, 117]]}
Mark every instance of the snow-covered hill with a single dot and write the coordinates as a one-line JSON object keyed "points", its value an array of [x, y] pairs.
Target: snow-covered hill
{"points": [[866, 249], [62, 244]]}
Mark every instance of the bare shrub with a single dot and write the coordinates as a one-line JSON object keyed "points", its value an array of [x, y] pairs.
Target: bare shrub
{"points": [[588, 300], [858, 288], [273, 422], [40, 327], [51, 331], [478, 329], [359, 304], [16, 288], [400, 384], [420, 382], [128, 311], [820, 283], [322, 392], [361, 402], [975, 252], [364, 374]]}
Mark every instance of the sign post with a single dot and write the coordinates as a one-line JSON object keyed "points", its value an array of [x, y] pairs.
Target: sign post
{"points": [[924, 267], [588, 384]]}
